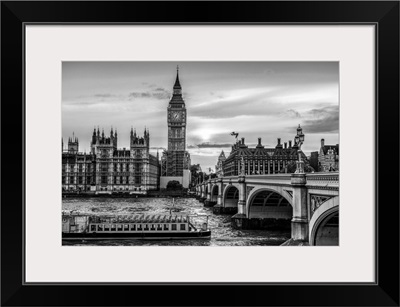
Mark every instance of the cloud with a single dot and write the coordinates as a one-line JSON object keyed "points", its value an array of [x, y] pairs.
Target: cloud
{"points": [[323, 120], [213, 145], [291, 113], [157, 93], [107, 95]]}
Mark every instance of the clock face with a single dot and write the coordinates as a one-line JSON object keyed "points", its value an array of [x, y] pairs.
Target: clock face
{"points": [[175, 116]]}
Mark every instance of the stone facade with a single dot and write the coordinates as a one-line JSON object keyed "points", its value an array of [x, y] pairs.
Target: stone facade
{"points": [[328, 158], [107, 169], [260, 160], [219, 167]]}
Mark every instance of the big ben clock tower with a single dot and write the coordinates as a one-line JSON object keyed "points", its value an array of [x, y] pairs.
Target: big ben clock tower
{"points": [[175, 162], [177, 119]]}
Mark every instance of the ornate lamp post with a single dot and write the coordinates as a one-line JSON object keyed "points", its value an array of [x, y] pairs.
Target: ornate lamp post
{"points": [[299, 139]]}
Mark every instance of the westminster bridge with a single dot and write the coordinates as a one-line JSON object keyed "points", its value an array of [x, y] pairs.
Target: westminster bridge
{"points": [[306, 203]]}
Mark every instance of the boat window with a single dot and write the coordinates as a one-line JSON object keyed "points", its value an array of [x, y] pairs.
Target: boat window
{"points": [[153, 227], [120, 227], [146, 227], [183, 226], [133, 226], [113, 227], [166, 227], [107, 227], [159, 227], [140, 227], [173, 226], [126, 227], [99, 227], [92, 227]]}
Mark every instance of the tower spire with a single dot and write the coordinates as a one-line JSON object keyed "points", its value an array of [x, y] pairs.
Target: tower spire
{"points": [[177, 84]]}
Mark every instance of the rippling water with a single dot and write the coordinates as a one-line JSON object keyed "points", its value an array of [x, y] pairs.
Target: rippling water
{"points": [[222, 234]]}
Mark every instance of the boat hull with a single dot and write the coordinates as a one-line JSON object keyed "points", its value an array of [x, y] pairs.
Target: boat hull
{"points": [[138, 236]]}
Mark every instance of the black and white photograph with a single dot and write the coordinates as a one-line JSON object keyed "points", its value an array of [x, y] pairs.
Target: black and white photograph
{"points": [[200, 153]]}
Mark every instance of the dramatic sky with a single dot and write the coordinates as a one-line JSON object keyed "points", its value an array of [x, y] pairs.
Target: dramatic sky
{"points": [[255, 99]]}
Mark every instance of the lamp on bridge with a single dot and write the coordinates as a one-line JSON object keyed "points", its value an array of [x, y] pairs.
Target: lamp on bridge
{"points": [[299, 139]]}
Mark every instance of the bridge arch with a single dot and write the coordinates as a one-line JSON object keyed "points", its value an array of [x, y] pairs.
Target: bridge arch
{"points": [[230, 196], [270, 206], [214, 193], [324, 224]]}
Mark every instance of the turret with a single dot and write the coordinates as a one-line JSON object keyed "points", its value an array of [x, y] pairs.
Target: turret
{"points": [[73, 144]]}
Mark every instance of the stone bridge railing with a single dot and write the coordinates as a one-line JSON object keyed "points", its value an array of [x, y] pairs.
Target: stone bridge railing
{"points": [[314, 179], [323, 181]]}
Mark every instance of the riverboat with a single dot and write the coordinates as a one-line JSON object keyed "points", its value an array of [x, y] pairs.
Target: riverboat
{"points": [[139, 226]]}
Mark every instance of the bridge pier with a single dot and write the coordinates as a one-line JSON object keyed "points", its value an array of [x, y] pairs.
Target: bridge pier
{"points": [[202, 197], [220, 185], [240, 220], [300, 212], [207, 201]]}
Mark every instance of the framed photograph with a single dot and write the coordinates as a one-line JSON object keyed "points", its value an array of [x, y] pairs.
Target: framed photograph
{"points": [[199, 160]]}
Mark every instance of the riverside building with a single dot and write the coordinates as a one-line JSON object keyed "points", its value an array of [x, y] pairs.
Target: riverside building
{"points": [[107, 169], [261, 160], [328, 158]]}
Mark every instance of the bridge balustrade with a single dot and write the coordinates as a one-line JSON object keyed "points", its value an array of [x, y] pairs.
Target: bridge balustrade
{"points": [[300, 189]]}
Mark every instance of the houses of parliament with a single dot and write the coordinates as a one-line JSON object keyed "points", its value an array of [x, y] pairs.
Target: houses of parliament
{"points": [[106, 169]]}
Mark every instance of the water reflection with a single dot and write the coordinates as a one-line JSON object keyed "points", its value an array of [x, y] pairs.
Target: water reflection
{"points": [[222, 232]]}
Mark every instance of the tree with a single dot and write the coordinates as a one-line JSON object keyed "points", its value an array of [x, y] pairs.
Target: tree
{"points": [[174, 185]]}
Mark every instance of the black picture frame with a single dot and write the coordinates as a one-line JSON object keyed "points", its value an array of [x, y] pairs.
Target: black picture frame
{"points": [[383, 14]]}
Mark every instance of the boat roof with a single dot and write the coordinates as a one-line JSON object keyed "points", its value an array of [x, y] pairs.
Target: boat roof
{"points": [[140, 218]]}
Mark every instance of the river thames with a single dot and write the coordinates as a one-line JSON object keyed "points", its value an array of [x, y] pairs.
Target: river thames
{"points": [[222, 233]]}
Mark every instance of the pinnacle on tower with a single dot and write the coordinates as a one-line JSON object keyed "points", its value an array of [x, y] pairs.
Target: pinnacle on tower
{"points": [[177, 84]]}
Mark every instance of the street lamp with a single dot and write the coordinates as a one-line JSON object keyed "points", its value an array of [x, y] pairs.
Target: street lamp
{"points": [[299, 139]]}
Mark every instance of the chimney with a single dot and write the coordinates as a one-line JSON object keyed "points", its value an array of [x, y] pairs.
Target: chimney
{"points": [[242, 141], [290, 144], [285, 145], [259, 141], [322, 142], [279, 141]]}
